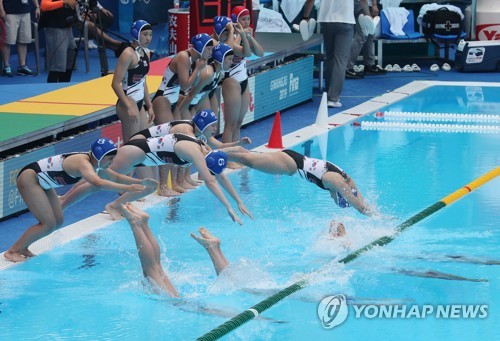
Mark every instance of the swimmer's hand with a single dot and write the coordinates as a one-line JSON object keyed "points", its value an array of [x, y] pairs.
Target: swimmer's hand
{"points": [[244, 210], [245, 140], [135, 188], [150, 183], [150, 115], [239, 29], [234, 216], [200, 64]]}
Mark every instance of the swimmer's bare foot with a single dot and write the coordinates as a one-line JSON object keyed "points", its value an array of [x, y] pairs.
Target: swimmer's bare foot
{"points": [[207, 240], [178, 188], [27, 253], [113, 212], [137, 211], [191, 181], [132, 218], [15, 257], [188, 185], [164, 191]]}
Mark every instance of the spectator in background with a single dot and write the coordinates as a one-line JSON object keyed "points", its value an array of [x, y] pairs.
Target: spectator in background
{"points": [[17, 18], [337, 25], [99, 19], [58, 17], [365, 43]]}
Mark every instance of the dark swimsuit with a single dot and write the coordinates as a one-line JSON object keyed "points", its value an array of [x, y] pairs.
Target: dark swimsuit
{"points": [[163, 149], [309, 176]]}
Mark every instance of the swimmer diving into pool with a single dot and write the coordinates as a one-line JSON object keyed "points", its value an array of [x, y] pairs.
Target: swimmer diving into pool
{"points": [[149, 250], [338, 232], [323, 174]]}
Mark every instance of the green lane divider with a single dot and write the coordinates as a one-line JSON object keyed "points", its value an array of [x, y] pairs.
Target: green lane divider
{"points": [[257, 309]]}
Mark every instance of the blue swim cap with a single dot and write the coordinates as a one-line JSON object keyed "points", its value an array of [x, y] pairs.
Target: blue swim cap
{"points": [[101, 148], [203, 119], [220, 52], [137, 27], [200, 41], [220, 24], [216, 161], [341, 200]]}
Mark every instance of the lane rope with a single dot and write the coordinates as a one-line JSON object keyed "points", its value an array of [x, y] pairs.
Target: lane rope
{"points": [[257, 309]]}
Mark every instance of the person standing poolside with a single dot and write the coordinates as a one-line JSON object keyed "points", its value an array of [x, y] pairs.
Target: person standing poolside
{"points": [[337, 25], [180, 75], [36, 183], [149, 250], [201, 95], [323, 174], [237, 33], [364, 43], [17, 18], [57, 18], [129, 81]]}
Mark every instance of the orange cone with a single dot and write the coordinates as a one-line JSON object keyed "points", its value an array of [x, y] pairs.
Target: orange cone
{"points": [[275, 138]]}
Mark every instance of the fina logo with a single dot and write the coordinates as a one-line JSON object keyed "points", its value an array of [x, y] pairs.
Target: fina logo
{"points": [[332, 311]]}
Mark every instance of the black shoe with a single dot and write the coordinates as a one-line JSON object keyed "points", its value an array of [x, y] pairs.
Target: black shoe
{"points": [[351, 74], [7, 71], [374, 70], [25, 71]]}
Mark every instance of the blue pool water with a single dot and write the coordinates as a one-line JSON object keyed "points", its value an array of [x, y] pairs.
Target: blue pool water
{"points": [[92, 288]]}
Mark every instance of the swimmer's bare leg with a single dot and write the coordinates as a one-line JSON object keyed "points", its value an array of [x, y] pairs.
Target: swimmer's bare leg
{"points": [[188, 179], [150, 262], [212, 245], [166, 188]]}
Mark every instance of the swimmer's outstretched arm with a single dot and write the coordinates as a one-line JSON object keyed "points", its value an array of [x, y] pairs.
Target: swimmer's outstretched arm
{"points": [[212, 245], [228, 186], [216, 144], [334, 182]]}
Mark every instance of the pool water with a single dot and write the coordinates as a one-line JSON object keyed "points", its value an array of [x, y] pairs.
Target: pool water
{"points": [[92, 288]]}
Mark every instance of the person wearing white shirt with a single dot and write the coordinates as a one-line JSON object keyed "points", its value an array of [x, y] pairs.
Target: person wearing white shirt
{"points": [[337, 25]]}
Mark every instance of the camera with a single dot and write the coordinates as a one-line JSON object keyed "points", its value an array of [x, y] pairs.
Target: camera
{"points": [[88, 5], [85, 7]]}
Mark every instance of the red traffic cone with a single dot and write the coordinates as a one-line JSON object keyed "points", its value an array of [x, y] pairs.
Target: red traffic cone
{"points": [[275, 138]]}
